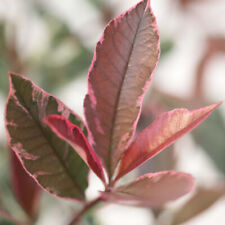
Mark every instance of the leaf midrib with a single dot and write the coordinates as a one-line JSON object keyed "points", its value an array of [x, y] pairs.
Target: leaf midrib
{"points": [[49, 142], [110, 170], [163, 145]]}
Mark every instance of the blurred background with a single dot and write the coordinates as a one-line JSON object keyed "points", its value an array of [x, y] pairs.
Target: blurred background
{"points": [[52, 43]]}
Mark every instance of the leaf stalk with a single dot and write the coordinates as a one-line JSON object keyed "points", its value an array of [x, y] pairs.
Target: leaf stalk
{"points": [[86, 208]]}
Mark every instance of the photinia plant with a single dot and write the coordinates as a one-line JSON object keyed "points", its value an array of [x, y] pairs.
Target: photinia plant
{"points": [[57, 148]]}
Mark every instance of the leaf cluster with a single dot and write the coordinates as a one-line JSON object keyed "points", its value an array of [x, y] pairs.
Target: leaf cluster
{"points": [[57, 148]]}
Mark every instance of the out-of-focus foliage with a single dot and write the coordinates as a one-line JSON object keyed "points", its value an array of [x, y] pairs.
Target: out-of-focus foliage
{"points": [[52, 71], [65, 57], [202, 200], [211, 137]]}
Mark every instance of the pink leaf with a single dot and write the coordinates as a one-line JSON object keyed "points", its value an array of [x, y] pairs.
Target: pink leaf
{"points": [[74, 135], [121, 71], [25, 189], [161, 133], [152, 190]]}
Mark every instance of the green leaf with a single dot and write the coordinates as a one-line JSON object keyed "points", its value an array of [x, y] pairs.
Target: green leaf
{"points": [[50, 160], [4, 64], [166, 46], [4, 222], [211, 136]]}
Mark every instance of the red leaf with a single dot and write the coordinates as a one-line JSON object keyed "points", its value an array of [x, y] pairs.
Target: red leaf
{"points": [[124, 61], [74, 135], [26, 191], [161, 133], [152, 190]]}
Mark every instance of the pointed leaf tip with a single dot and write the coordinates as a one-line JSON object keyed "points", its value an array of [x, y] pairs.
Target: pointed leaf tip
{"points": [[74, 135], [153, 189], [148, 4], [119, 76], [161, 133], [39, 149]]}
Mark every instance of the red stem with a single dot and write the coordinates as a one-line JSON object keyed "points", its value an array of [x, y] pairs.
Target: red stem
{"points": [[85, 209]]}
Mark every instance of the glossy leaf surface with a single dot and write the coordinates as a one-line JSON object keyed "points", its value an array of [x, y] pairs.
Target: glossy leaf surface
{"points": [[161, 133], [74, 135], [51, 161], [26, 190], [153, 189], [121, 71]]}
